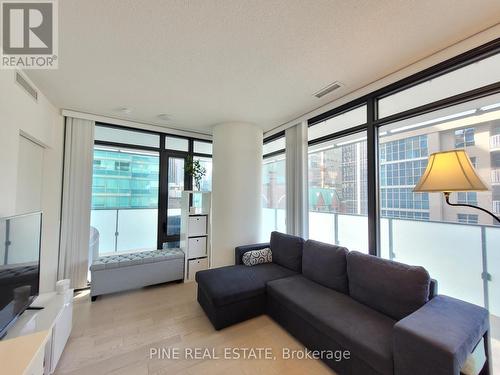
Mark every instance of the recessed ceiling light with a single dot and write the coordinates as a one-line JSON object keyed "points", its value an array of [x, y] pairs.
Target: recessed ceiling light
{"points": [[124, 110], [164, 117], [328, 89]]}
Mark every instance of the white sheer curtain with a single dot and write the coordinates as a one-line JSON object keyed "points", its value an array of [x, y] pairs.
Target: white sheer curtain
{"points": [[296, 180], [76, 201]]}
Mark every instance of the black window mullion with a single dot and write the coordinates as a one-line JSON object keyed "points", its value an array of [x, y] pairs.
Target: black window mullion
{"points": [[188, 180], [372, 171], [162, 195]]}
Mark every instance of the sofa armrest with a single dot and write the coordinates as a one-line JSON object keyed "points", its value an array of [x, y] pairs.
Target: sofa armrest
{"points": [[437, 338], [240, 250], [433, 289]]}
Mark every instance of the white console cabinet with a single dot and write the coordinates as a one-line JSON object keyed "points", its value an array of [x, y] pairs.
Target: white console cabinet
{"points": [[49, 327]]}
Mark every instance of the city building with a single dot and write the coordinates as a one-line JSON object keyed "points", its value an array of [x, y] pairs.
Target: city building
{"points": [[337, 172]]}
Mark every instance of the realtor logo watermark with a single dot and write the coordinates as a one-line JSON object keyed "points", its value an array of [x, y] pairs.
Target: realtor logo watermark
{"points": [[29, 34]]}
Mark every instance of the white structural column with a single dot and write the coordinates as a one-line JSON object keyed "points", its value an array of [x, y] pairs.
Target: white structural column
{"points": [[236, 189]]}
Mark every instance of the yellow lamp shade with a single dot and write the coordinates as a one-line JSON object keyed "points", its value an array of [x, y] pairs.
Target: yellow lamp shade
{"points": [[450, 171]]}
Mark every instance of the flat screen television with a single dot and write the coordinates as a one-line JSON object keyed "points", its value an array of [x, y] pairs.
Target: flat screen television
{"points": [[20, 239]]}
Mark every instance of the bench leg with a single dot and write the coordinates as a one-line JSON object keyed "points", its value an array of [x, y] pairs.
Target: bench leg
{"points": [[93, 298]]}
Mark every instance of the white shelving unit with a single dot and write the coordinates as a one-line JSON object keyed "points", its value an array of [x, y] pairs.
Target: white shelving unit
{"points": [[195, 231]]}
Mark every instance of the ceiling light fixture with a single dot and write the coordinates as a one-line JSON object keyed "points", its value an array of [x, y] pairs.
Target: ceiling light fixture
{"points": [[328, 89], [124, 110], [164, 117]]}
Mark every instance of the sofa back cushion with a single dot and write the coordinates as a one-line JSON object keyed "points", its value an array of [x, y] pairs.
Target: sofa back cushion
{"points": [[287, 250], [392, 288], [326, 265]]}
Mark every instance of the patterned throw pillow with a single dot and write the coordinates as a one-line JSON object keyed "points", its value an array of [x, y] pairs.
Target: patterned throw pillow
{"points": [[254, 257]]}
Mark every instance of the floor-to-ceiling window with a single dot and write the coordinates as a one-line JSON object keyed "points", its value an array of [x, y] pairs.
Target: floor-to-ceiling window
{"points": [[273, 187], [455, 244], [338, 181], [138, 179], [125, 198]]}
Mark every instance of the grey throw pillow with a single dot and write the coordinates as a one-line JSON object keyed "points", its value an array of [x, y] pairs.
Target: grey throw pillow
{"points": [[254, 257]]}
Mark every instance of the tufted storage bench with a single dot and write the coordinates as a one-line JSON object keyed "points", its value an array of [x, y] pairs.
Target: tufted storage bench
{"points": [[120, 272]]}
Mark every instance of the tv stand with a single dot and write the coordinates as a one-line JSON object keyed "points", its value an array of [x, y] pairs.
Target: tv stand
{"points": [[47, 324]]}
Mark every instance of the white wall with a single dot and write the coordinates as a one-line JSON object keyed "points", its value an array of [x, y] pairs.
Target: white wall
{"points": [[29, 176], [41, 122], [236, 189]]}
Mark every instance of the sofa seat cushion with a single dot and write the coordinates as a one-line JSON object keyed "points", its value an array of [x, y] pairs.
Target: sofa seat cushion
{"points": [[364, 331], [392, 288], [230, 284]]}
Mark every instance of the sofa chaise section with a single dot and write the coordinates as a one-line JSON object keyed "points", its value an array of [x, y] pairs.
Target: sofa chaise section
{"points": [[232, 294]]}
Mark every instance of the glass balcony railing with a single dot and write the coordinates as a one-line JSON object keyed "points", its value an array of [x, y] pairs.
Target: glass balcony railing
{"points": [[463, 258], [273, 219], [124, 230]]}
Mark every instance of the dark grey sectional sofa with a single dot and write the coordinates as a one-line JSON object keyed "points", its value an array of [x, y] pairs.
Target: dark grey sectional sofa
{"points": [[384, 313]]}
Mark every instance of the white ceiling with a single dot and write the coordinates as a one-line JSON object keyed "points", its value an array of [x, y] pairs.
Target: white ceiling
{"points": [[209, 61]]}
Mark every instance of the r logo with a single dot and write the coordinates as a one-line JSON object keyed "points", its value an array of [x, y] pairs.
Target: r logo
{"points": [[27, 28]]}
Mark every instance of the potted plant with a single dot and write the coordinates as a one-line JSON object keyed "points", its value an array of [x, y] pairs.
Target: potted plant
{"points": [[196, 170]]}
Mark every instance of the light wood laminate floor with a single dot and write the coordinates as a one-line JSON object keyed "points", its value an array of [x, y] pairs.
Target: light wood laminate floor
{"points": [[114, 335]]}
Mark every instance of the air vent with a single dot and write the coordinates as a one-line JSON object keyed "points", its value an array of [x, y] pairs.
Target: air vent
{"points": [[26, 86], [328, 89]]}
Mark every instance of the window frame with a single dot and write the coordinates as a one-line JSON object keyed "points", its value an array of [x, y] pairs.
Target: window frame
{"points": [[164, 154], [272, 138], [373, 122]]}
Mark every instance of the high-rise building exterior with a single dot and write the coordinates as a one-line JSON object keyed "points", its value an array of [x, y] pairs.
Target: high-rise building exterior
{"points": [[124, 180]]}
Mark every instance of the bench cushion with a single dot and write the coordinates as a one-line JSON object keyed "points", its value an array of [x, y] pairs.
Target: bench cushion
{"points": [[131, 259], [326, 264], [230, 284], [392, 288], [356, 327]]}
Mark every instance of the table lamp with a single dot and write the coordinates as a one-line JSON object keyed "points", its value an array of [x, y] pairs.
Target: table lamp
{"points": [[451, 171]]}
